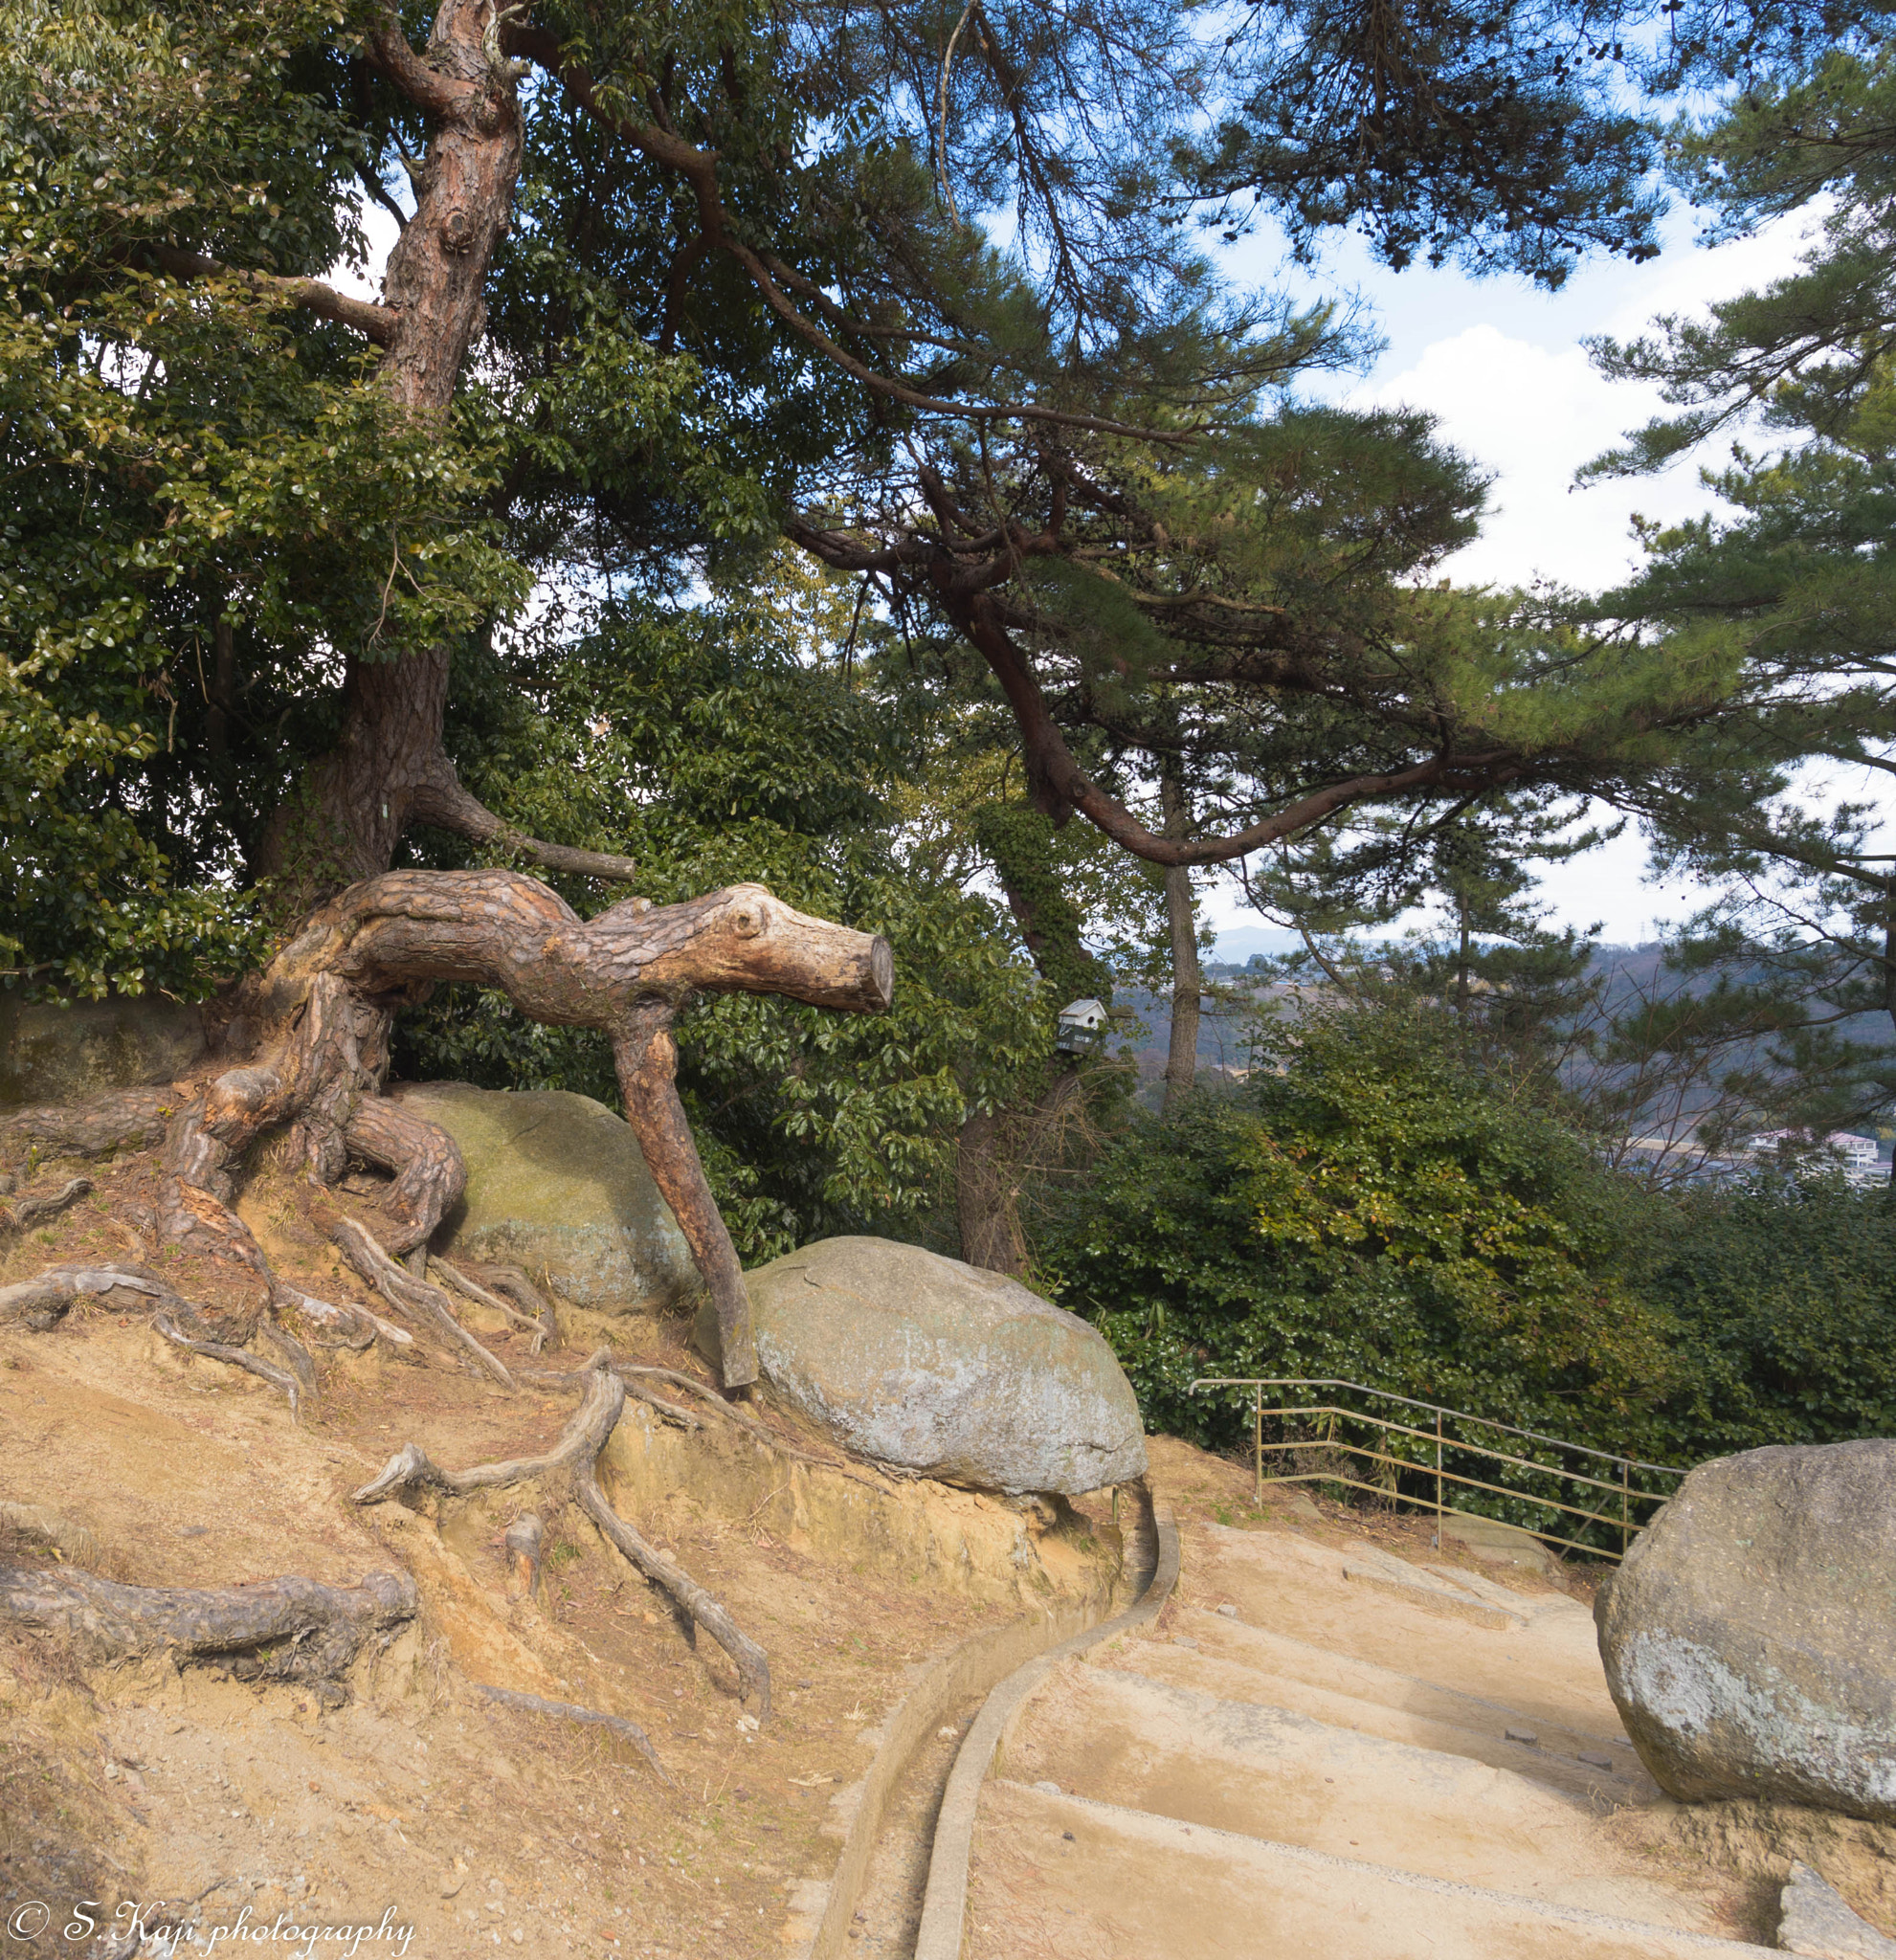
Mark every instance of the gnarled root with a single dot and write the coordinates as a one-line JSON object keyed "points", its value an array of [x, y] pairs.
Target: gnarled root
{"points": [[580, 1443], [540, 1324], [405, 1293], [290, 1629], [326, 1002], [511, 1281], [167, 1324], [43, 1302], [31, 1212], [572, 1712], [573, 1456], [753, 1668]]}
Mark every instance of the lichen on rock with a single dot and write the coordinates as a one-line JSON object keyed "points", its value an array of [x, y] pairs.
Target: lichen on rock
{"points": [[911, 1359]]}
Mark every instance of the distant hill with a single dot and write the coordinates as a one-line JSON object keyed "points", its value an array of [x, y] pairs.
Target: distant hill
{"points": [[1236, 946]]}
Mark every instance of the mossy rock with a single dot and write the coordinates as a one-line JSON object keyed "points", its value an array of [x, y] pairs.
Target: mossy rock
{"points": [[557, 1186], [69, 1054]]}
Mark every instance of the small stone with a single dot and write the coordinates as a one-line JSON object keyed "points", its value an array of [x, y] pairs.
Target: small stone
{"points": [[1818, 1922], [1229, 1611], [111, 1772], [1069, 1837], [1527, 1736], [1182, 1640], [1051, 1788], [517, 1936], [1597, 1762]]}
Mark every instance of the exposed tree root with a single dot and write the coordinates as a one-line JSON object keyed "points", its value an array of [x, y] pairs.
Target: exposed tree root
{"points": [[472, 1289], [518, 1288], [526, 1542], [288, 1629], [353, 1327], [29, 1211], [319, 1019], [572, 1712], [43, 1302], [165, 1324], [404, 1292], [132, 1119], [769, 1437], [572, 1456], [580, 1442], [753, 1667]]}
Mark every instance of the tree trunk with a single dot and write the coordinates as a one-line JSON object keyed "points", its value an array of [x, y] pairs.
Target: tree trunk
{"points": [[984, 1208], [389, 769], [1181, 1068]]}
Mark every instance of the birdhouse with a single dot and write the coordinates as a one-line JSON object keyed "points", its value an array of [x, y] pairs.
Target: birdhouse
{"points": [[1082, 1027]]}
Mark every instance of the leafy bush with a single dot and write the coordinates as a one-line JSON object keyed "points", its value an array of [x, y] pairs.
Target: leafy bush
{"points": [[1370, 1206], [1785, 1297]]}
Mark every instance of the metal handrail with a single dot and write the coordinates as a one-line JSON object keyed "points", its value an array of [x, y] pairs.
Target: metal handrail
{"points": [[1301, 1381], [1441, 1440]]}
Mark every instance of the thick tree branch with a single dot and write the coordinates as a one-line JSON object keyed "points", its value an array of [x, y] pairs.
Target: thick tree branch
{"points": [[366, 316], [450, 807], [699, 168]]}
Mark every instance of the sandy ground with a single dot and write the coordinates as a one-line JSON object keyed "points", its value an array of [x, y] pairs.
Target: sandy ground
{"points": [[433, 1821]]}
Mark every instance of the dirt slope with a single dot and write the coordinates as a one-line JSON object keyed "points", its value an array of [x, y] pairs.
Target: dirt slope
{"points": [[420, 1804]]}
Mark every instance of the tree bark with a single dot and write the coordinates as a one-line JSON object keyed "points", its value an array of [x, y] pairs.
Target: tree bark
{"points": [[1188, 984], [984, 1211], [325, 1003], [388, 769], [288, 1629]]}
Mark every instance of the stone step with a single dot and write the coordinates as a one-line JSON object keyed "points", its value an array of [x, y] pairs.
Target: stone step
{"points": [[1068, 1876], [1273, 1773], [1408, 1619], [1226, 1657], [1581, 1769]]}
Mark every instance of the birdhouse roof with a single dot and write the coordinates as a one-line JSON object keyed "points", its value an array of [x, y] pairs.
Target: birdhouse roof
{"points": [[1087, 1011]]}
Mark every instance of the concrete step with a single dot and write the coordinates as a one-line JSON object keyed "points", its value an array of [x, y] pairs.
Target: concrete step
{"points": [[1539, 1660], [1068, 1876], [1238, 1662], [1272, 1774]]}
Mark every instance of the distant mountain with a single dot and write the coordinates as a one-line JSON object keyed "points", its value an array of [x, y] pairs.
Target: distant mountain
{"points": [[1236, 946]]}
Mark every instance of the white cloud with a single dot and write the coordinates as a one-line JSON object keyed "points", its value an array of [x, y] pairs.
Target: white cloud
{"points": [[1534, 408], [1533, 415]]}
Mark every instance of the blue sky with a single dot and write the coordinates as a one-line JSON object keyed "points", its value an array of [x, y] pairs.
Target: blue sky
{"points": [[1503, 367]]}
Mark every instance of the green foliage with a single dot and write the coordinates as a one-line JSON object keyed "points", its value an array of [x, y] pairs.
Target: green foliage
{"points": [[1785, 1297], [1381, 1212], [189, 470], [705, 744]]}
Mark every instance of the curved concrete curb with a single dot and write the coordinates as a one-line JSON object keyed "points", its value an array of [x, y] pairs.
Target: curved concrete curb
{"points": [[945, 1903], [971, 1668]]}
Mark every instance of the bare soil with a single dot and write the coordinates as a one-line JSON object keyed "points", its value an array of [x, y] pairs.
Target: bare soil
{"points": [[420, 1805]]}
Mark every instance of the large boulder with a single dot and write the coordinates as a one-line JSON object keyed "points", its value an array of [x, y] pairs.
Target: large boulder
{"points": [[1749, 1638], [923, 1361], [68, 1054], [557, 1186]]}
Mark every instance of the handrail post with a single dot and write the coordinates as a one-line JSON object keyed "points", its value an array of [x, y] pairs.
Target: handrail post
{"points": [[1257, 1441], [1625, 1508], [1438, 1509]]}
